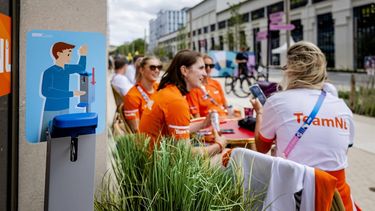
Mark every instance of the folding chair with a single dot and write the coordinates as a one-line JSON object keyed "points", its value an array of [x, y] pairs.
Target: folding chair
{"points": [[117, 95]]}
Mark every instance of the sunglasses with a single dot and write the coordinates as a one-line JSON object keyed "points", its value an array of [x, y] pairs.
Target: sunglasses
{"points": [[153, 67], [209, 65], [284, 67]]}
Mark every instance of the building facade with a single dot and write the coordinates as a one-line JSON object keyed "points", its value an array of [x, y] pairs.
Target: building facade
{"points": [[166, 22], [343, 29]]}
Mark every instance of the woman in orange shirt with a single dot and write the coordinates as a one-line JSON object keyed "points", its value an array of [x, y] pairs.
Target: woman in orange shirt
{"points": [[169, 116], [208, 97], [141, 94]]}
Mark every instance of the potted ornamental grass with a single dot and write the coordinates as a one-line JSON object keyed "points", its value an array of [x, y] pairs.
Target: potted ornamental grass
{"points": [[168, 178]]}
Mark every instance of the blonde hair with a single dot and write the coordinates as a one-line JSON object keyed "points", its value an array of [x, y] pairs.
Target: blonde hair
{"points": [[306, 67], [141, 63]]}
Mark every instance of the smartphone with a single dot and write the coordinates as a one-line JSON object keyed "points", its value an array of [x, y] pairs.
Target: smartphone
{"points": [[257, 92], [227, 131]]}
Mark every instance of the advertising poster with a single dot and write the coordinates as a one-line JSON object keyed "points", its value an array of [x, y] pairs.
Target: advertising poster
{"points": [[5, 54], [55, 64]]}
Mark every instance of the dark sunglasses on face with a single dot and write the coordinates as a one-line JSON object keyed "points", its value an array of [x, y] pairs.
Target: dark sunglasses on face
{"points": [[209, 65], [153, 67]]}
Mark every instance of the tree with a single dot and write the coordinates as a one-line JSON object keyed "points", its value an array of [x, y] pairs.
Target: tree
{"points": [[137, 45], [235, 38], [181, 38]]}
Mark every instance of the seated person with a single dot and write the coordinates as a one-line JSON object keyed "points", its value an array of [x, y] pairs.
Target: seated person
{"points": [[169, 115], [208, 97], [141, 94], [325, 144], [119, 81]]}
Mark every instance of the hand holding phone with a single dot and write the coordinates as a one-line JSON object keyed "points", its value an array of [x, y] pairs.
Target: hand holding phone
{"points": [[257, 92]]}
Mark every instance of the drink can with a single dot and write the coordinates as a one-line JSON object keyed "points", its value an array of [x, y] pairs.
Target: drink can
{"points": [[215, 120], [230, 111], [248, 112]]}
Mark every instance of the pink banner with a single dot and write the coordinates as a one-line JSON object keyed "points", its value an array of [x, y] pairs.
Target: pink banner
{"points": [[276, 27]]}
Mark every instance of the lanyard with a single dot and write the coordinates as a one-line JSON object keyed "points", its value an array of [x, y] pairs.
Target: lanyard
{"points": [[212, 100], [149, 102], [297, 136]]}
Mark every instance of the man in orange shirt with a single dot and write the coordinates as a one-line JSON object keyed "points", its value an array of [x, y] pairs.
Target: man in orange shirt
{"points": [[169, 115], [141, 94], [208, 97]]}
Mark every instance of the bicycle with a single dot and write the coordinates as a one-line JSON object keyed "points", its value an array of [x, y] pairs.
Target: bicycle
{"points": [[240, 84]]}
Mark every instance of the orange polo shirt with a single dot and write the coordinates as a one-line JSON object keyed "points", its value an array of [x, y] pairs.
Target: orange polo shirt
{"points": [[169, 115], [198, 104], [134, 103]]}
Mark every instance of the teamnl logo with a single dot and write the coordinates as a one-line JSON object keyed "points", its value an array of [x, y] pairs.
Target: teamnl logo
{"points": [[337, 122]]}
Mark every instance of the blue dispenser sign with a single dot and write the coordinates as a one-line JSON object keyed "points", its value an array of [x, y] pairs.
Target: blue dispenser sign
{"points": [[65, 74]]}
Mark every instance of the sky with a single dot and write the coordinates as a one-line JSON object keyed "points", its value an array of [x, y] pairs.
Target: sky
{"points": [[128, 19]]}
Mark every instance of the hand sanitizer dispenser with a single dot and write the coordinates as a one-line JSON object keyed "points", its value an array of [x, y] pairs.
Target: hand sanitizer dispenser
{"points": [[87, 84], [71, 155]]}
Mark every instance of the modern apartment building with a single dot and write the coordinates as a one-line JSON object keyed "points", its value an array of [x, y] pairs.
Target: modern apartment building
{"points": [[343, 29], [167, 21]]}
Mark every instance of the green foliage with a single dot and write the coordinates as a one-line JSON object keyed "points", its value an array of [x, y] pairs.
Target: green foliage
{"points": [[137, 45], [363, 102], [182, 39], [163, 53], [170, 178], [234, 38]]}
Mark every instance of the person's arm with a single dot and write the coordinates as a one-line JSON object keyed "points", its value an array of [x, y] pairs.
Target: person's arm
{"points": [[76, 68], [261, 145], [131, 110], [216, 148], [177, 120]]}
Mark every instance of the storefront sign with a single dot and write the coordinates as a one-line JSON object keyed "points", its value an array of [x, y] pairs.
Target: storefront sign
{"points": [[5, 54]]}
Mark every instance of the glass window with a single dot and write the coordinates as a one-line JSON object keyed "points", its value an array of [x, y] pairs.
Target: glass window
{"points": [[275, 43], [245, 17], [298, 3], [326, 37], [194, 33], [221, 40], [256, 46], [364, 32], [257, 14], [277, 7], [221, 24], [316, 1], [199, 31], [212, 43], [213, 26], [205, 29], [297, 33]]}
